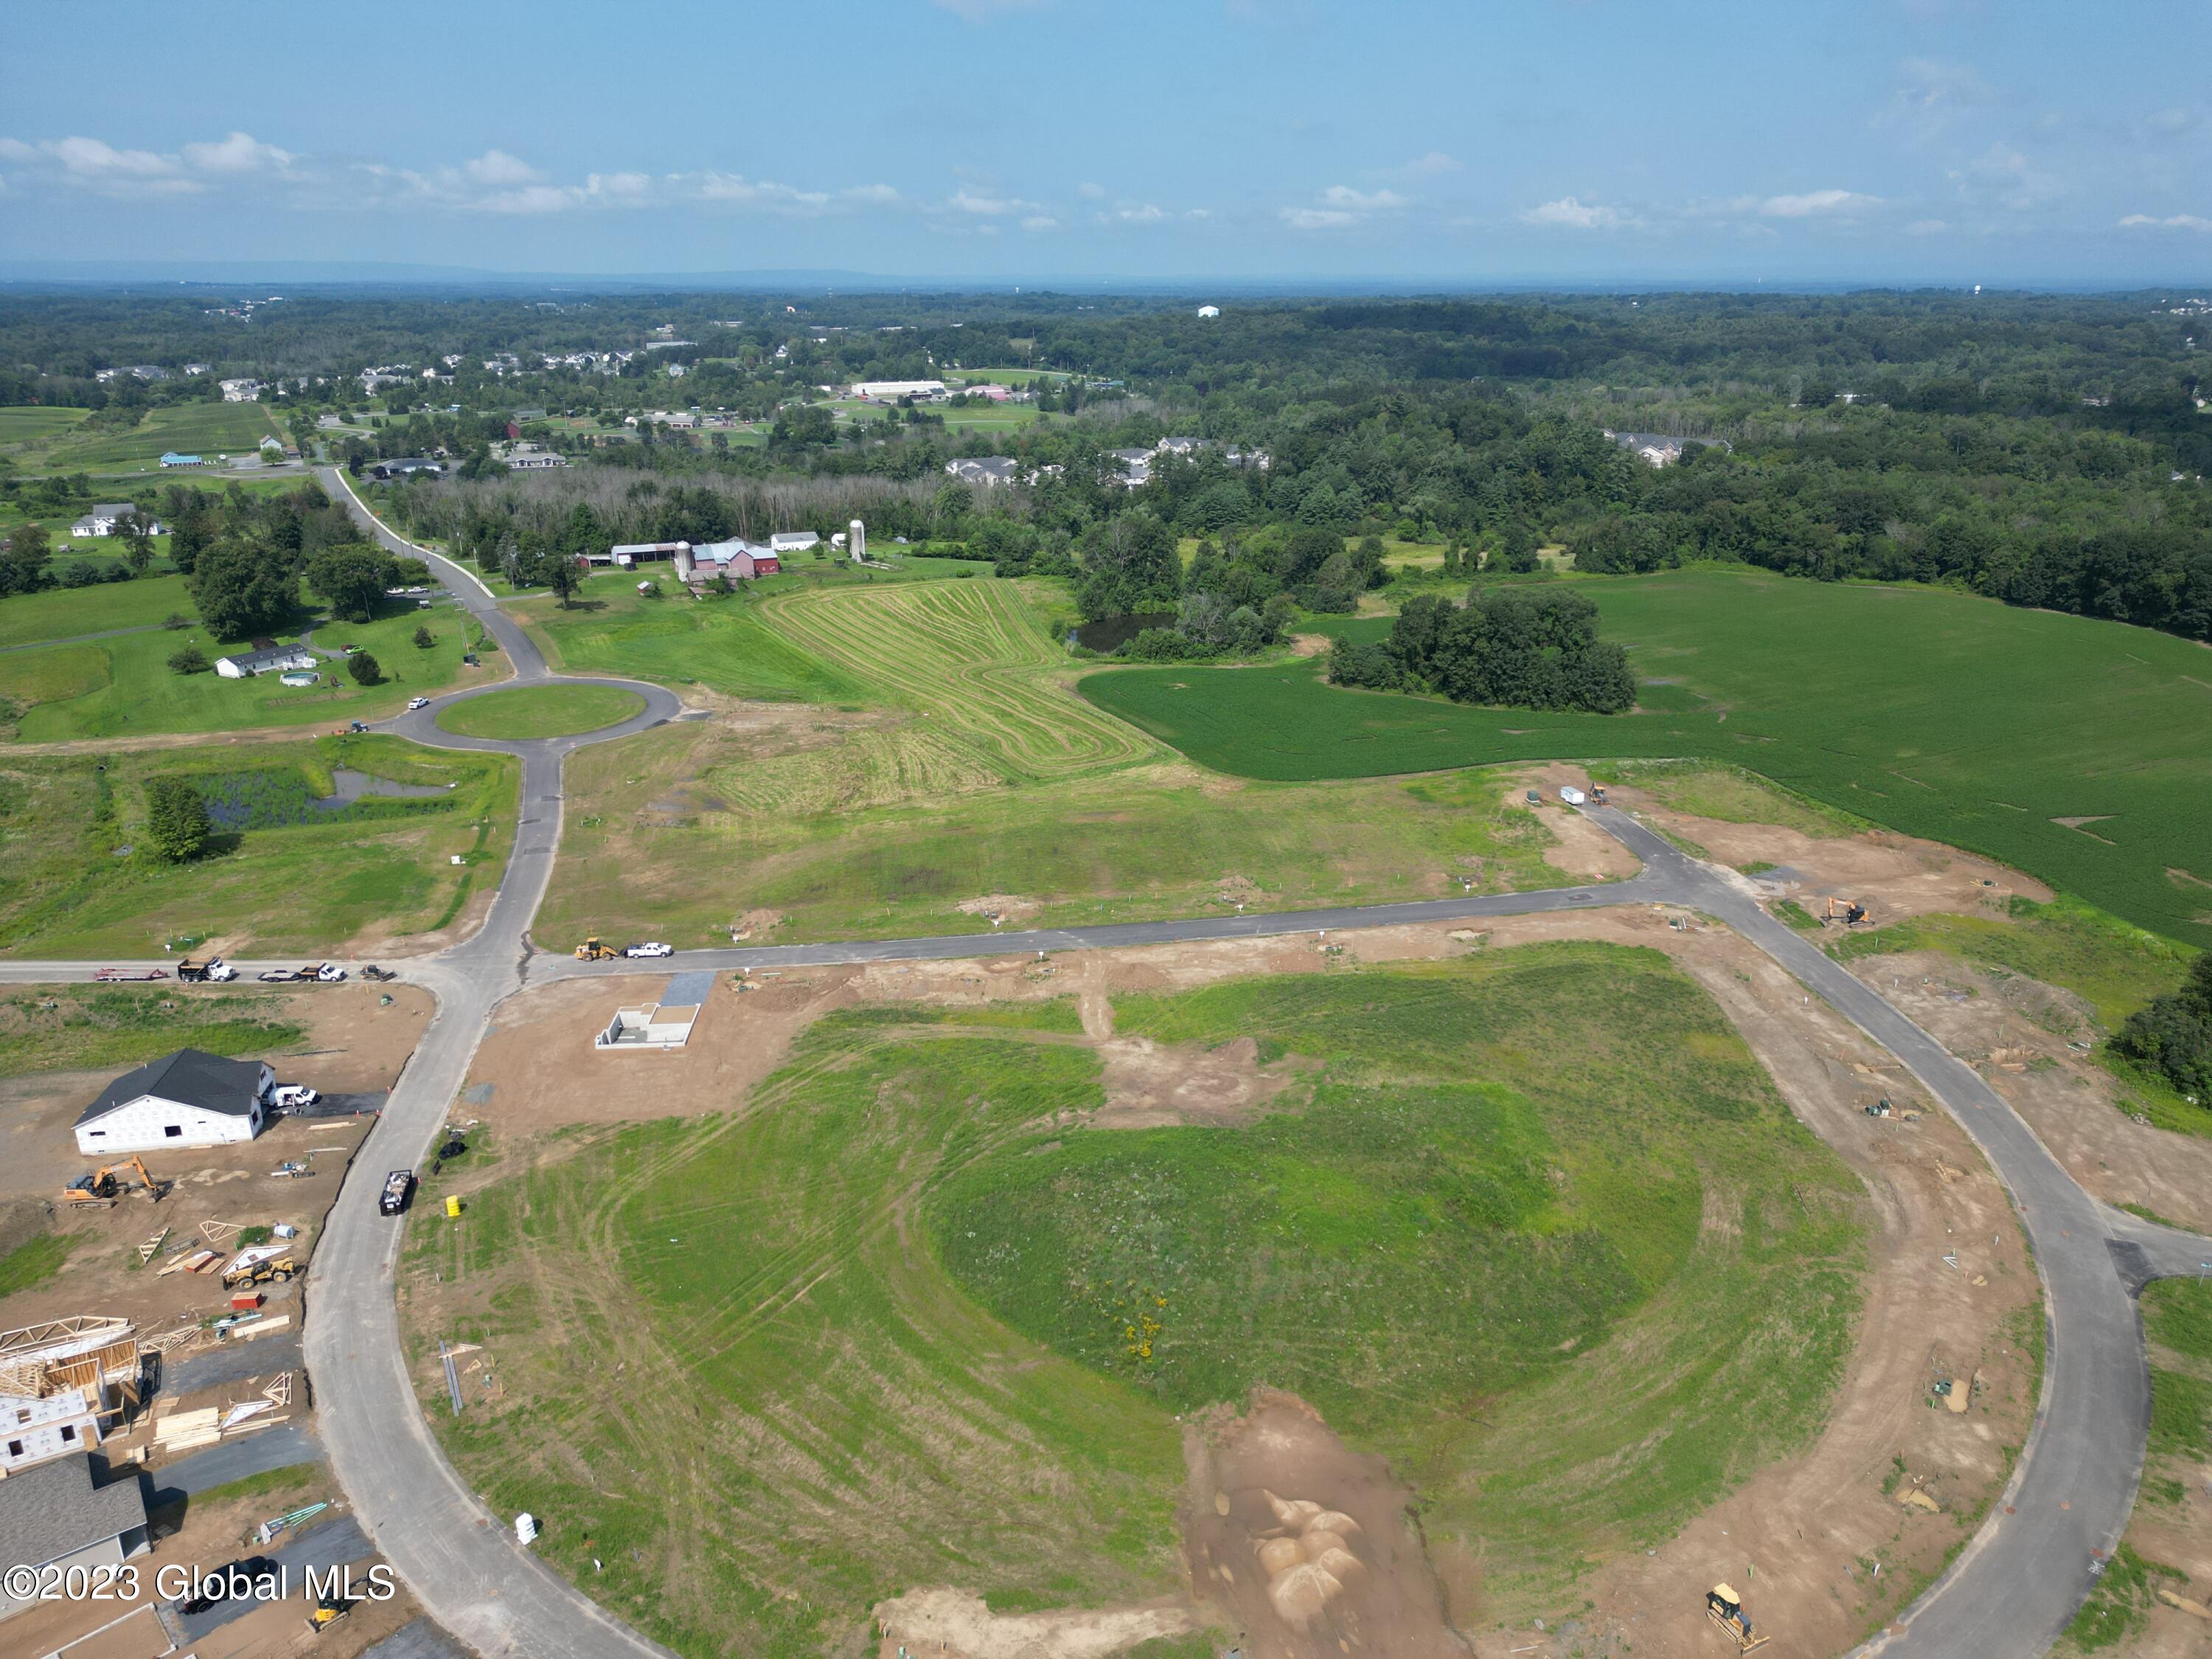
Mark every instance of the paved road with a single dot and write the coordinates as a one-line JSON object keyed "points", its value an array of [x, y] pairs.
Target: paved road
{"points": [[334, 1544], [2009, 1594], [279, 1447]]}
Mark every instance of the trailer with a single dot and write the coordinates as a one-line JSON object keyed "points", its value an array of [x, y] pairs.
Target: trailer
{"points": [[116, 976], [398, 1186]]}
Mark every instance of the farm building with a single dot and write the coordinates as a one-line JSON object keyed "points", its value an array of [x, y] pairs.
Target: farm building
{"points": [[104, 519], [57, 1517], [60, 1383], [793, 541], [889, 391], [630, 553], [172, 458], [270, 659], [189, 1098], [738, 560]]}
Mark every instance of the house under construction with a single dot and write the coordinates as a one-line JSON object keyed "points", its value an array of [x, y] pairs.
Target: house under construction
{"points": [[63, 1385]]}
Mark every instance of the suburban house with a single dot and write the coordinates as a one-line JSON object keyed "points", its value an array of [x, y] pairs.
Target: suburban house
{"points": [[240, 391], [1258, 459], [1175, 446], [1135, 467], [103, 520], [990, 471], [172, 458], [892, 391], [1209, 311], [62, 1383], [56, 1516], [189, 1098], [405, 467], [197, 368], [738, 560], [531, 459], [268, 660], [793, 541]]}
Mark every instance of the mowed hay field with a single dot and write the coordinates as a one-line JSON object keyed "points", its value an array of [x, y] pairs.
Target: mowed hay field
{"points": [[971, 657], [283, 875], [64, 613], [1942, 715], [867, 1332], [207, 430]]}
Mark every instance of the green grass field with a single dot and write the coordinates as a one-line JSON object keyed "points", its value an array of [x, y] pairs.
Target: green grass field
{"points": [[202, 429], [877, 1365], [1942, 715], [719, 644], [125, 687], [27, 423], [541, 711], [92, 1027], [380, 872], [64, 612]]}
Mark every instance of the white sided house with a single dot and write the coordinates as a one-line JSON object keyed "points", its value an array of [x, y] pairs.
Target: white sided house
{"points": [[62, 1383], [271, 659], [57, 1517], [191, 1098]]}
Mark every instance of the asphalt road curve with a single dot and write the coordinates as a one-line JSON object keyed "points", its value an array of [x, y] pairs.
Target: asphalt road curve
{"points": [[2007, 1596]]}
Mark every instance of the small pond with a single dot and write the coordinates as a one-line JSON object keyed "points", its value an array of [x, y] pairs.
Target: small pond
{"points": [[1110, 634]]}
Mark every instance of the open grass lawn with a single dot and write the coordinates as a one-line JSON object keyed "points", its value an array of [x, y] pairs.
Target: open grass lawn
{"points": [[541, 711], [855, 829], [27, 422], [284, 876], [125, 687], [1942, 715], [202, 429], [884, 1310], [62, 613], [721, 644]]}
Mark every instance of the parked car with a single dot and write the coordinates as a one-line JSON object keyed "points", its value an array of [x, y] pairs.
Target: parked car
{"points": [[290, 1095], [650, 948], [227, 1584], [413, 704]]}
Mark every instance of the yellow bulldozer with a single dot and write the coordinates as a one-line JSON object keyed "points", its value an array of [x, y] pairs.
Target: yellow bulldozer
{"points": [[1725, 1608], [103, 1186], [592, 950]]}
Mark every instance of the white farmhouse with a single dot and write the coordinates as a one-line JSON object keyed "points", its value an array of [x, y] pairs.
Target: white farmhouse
{"points": [[191, 1098], [104, 519], [240, 391], [269, 660]]}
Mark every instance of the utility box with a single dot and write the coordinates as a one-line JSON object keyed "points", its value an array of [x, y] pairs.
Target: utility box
{"points": [[453, 1209], [246, 1301]]}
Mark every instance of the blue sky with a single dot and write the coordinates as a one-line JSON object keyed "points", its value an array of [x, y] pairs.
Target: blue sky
{"points": [[1994, 141]]}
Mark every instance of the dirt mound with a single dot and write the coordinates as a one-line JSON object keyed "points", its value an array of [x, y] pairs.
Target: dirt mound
{"points": [[953, 1622], [1000, 906], [755, 925], [1147, 1085], [1303, 1542]]}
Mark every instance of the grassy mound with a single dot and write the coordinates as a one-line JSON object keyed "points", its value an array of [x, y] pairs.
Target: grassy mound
{"points": [[540, 711], [1479, 1235]]}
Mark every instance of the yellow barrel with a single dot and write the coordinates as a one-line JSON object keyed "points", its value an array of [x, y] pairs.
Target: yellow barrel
{"points": [[453, 1209]]}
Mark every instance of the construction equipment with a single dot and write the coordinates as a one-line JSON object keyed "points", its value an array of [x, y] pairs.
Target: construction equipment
{"points": [[1850, 912], [377, 975], [195, 973], [1597, 795], [244, 1274], [1725, 1608], [101, 1187], [332, 1606], [593, 951]]}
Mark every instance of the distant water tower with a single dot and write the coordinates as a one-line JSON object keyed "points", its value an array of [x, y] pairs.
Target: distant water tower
{"points": [[856, 538]]}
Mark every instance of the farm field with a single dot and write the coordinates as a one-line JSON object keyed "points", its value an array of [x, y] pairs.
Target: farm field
{"points": [[22, 424], [2071, 748], [541, 711], [1473, 1258], [62, 613], [283, 875], [974, 659], [845, 828], [207, 429], [125, 687]]}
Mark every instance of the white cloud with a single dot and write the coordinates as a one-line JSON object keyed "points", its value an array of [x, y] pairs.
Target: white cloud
{"points": [[1572, 213], [1139, 213], [496, 167], [1435, 161], [870, 194], [2172, 222], [1926, 228], [1300, 218], [1813, 203], [1091, 193], [753, 192], [1930, 97], [241, 152], [2171, 123], [93, 164], [1040, 222], [965, 200], [1353, 201]]}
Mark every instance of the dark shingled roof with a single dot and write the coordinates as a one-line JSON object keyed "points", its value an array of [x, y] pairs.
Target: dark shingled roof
{"points": [[54, 1511], [191, 1076]]}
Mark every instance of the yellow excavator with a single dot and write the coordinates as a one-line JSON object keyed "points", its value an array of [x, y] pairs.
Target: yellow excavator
{"points": [[1725, 1608], [1850, 912], [101, 1186], [592, 950]]}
